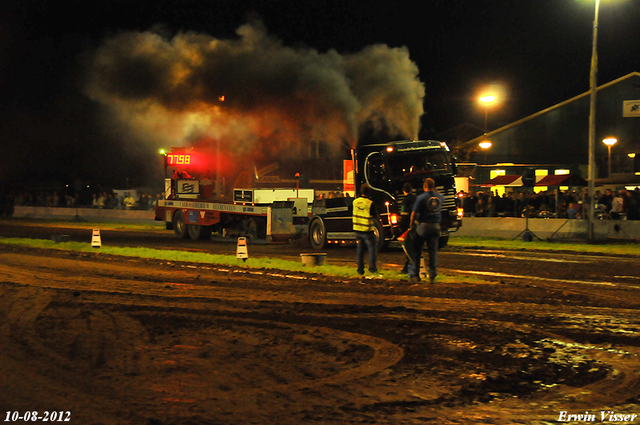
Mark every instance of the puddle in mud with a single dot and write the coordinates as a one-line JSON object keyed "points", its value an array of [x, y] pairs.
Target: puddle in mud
{"points": [[517, 257], [497, 369], [601, 328], [514, 276]]}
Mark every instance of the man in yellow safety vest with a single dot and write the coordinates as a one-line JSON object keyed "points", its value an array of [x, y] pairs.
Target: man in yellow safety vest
{"points": [[364, 214]]}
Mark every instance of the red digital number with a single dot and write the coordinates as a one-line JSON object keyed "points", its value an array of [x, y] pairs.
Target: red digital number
{"points": [[175, 159]]}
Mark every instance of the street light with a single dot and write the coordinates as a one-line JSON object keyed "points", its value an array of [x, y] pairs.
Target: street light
{"points": [[610, 141]]}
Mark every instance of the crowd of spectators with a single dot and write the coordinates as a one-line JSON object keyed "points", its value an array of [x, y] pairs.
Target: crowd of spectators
{"points": [[127, 201], [44, 199], [102, 200], [611, 204], [618, 204]]}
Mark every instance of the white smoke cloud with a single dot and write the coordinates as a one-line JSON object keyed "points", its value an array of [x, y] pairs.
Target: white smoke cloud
{"points": [[168, 89]]}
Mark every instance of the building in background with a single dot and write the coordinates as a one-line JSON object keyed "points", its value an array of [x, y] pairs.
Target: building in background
{"points": [[555, 140]]}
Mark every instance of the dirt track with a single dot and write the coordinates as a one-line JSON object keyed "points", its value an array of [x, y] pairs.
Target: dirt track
{"points": [[126, 341]]}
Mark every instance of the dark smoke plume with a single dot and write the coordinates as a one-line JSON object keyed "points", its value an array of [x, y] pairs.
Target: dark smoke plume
{"points": [[170, 90]]}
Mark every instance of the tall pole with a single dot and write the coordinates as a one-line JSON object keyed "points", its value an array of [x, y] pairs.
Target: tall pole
{"points": [[486, 116], [486, 100], [609, 174], [592, 127]]}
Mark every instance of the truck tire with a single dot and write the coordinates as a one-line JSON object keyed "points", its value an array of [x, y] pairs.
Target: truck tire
{"points": [[197, 231], [381, 243], [179, 226], [317, 234]]}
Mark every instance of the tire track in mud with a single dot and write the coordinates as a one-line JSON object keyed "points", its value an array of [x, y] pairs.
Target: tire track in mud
{"points": [[172, 298], [126, 289]]}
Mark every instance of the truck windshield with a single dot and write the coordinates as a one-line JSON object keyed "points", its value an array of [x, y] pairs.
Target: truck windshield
{"points": [[411, 163]]}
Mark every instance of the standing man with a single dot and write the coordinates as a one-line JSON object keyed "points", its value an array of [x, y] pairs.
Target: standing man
{"points": [[405, 216], [407, 206], [364, 212], [129, 201], [427, 213]]}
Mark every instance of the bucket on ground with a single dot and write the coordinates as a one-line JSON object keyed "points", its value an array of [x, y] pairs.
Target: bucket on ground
{"points": [[313, 258]]}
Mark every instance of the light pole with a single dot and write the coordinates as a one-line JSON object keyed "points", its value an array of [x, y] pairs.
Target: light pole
{"points": [[592, 126], [487, 100], [610, 141]]}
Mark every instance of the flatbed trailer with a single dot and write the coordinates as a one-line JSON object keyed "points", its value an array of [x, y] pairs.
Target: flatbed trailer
{"points": [[199, 219], [194, 208]]}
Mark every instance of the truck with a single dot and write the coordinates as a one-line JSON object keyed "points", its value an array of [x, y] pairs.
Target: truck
{"points": [[386, 168], [195, 203]]}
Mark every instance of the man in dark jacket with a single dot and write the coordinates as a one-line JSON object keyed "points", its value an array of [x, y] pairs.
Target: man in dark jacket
{"points": [[427, 214]]}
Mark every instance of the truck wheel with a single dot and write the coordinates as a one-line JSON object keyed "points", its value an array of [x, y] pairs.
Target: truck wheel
{"points": [[377, 230], [179, 226], [443, 241], [317, 234], [197, 231]]}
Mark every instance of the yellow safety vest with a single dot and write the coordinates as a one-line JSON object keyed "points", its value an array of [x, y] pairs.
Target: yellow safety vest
{"points": [[362, 219]]}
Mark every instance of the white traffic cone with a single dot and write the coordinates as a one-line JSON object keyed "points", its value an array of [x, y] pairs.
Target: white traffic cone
{"points": [[241, 249], [96, 242]]}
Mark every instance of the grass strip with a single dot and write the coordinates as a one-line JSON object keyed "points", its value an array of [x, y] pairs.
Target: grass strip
{"points": [[225, 260], [518, 244], [630, 248]]}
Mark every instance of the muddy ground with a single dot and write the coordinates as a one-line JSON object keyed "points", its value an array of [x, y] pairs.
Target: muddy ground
{"points": [[128, 341]]}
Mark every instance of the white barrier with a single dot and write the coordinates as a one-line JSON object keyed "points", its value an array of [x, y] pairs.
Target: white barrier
{"points": [[510, 228], [85, 214], [486, 227]]}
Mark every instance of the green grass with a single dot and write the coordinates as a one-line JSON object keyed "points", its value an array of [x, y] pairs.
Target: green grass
{"points": [[519, 244], [222, 260]]}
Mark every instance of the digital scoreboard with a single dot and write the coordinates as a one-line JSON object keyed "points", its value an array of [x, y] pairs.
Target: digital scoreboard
{"points": [[180, 159]]}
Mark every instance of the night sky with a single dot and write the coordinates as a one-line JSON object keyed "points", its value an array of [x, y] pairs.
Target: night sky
{"points": [[54, 128]]}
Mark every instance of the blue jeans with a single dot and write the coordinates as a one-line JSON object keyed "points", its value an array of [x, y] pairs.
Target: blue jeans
{"points": [[367, 239], [429, 233]]}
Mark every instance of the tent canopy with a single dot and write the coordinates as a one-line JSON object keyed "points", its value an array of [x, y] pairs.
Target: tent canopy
{"points": [[509, 181], [562, 180]]}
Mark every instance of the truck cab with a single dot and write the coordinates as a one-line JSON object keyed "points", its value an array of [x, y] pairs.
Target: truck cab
{"points": [[386, 168]]}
